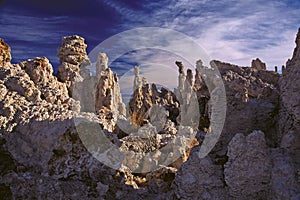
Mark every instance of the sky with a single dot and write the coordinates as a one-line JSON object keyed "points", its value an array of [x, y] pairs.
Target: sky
{"points": [[228, 30]]}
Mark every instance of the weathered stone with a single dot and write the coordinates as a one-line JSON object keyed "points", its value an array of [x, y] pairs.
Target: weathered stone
{"points": [[72, 55], [16, 79], [200, 179], [296, 54], [40, 72], [285, 174], [108, 95], [5, 56], [72, 50], [258, 64], [189, 77], [247, 172], [102, 64], [180, 67], [289, 86], [137, 82], [42, 155]]}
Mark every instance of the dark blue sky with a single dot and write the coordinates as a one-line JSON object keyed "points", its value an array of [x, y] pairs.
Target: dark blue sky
{"points": [[229, 30], [35, 28]]}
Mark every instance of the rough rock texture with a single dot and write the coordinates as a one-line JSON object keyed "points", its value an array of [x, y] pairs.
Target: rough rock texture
{"points": [[199, 179], [72, 55], [137, 81], [108, 95], [258, 64], [145, 97], [53, 163], [42, 155], [40, 72], [290, 98], [285, 172], [253, 171], [30, 91], [5, 56], [247, 172], [259, 112], [107, 99], [286, 160], [102, 64]]}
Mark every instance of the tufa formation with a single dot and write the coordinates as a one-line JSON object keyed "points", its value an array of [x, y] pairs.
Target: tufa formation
{"points": [[42, 154]]}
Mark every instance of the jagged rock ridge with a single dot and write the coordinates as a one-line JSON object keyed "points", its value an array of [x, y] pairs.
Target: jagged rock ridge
{"points": [[42, 155]]}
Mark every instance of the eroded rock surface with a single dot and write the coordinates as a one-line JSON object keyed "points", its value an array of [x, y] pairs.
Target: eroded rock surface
{"points": [[258, 64], [247, 172], [290, 98], [72, 56], [40, 72], [200, 179], [108, 95], [5, 56], [252, 98], [42, 127]]}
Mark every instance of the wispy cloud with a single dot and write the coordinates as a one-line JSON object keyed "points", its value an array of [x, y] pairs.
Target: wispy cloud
{"points": [[31, 36], [232, 31], [229, 30]]}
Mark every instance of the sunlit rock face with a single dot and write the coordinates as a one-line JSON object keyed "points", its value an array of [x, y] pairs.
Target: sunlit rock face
{"points": [[146, 96], [108, 94], [40, 72], [31, 92], [5, 56], [72, 56]]}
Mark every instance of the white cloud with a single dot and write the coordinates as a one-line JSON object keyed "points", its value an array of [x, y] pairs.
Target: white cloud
{"points": [[231, 31]]}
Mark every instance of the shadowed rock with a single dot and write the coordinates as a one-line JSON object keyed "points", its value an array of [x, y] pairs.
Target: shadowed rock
{"points": [[180, 67], [258, 64]]}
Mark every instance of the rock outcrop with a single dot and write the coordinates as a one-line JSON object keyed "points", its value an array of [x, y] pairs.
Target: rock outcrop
{"points": [[51, 129], [5, 56], [247, 172], [253, 171], [108, 94], [200, 179], [146, 96], [72, 56], [40, 72], [296, 53], [29, 91], [252, 103], [258, 64], [290, 98]]}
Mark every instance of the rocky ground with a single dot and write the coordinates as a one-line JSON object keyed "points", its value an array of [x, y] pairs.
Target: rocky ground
{"points": [[53, 128]]}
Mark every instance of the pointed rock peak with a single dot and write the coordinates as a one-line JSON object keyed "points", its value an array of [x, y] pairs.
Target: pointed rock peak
{"points": [[5, 56], [102, 63], [180, 67], [258, 64], [296, 53], [189, 76], [144, 81], [137, 80], [136, 70], [298, 38], [199, 64]]}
